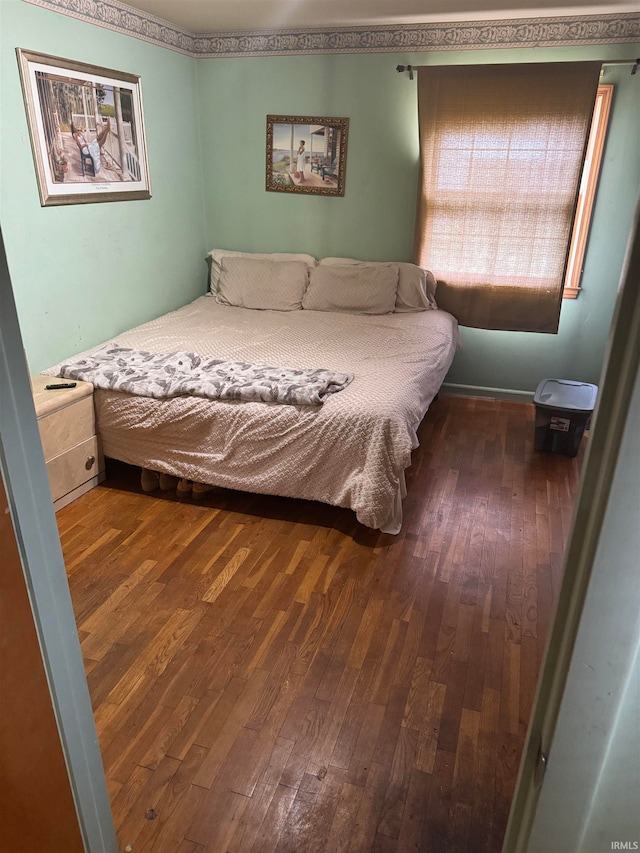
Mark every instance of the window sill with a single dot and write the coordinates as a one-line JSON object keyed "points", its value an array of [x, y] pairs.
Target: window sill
{"points": [[571, 292]]}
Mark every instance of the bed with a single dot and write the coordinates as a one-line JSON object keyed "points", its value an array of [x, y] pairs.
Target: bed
{"points": [[352, 450]]}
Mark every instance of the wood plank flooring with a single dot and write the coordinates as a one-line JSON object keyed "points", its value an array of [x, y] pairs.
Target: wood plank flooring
{"points": [[268, 675]]}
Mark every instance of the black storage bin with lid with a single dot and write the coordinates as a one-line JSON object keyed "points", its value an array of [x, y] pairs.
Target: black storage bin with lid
{"points": [[563, 409]]}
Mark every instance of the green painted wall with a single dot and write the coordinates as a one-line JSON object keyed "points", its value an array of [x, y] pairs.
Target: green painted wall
{"points": [[375, 219], [82, 273]]}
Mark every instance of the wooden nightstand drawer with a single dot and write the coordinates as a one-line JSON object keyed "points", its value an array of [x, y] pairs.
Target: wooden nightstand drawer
{"points": [[74, 467], [64, 429], [67, 425]]}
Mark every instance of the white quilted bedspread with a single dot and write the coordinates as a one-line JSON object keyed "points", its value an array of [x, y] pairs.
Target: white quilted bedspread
{"points": [[351, 451]]}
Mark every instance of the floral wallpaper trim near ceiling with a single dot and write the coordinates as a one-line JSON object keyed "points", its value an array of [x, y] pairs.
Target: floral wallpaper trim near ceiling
{"points": [[619, 28]]}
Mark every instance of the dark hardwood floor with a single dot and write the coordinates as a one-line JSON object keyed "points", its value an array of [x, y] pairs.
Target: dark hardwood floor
{"points": [[268, 675]]}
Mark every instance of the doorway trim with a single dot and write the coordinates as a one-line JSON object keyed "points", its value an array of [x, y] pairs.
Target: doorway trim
{"points": [[619, 375], [24, 473]]}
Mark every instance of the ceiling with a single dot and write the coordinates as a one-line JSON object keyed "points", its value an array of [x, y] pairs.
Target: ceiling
{"points": [[218, 16]]}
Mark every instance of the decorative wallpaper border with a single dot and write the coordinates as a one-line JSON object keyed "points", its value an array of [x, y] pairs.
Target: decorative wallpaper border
{"points": [[124, 19], [464, 35], [622, 28]]}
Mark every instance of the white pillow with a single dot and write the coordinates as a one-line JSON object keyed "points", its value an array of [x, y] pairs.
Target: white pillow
{"points": [[416, 289], [262, 283], [215, 256], [358, 288], [416, 286]]}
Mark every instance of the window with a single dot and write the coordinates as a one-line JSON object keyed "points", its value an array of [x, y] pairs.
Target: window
{"points": [[502, 149], [586, 196]]}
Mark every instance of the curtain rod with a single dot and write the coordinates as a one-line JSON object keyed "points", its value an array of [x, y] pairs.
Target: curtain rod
{"points": [[633, 62]]}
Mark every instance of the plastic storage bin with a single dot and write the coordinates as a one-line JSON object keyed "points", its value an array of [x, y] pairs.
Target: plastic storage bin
{"points": [[563, 409]]}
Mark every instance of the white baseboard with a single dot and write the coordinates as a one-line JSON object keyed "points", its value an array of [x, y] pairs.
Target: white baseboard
{"points": [[491, 393]]}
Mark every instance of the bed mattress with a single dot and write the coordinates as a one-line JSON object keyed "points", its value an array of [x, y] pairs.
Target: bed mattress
{"points": [[351, 451]]}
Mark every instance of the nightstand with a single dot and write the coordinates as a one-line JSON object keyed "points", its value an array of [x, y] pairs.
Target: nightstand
{"points": [[67, 426]]}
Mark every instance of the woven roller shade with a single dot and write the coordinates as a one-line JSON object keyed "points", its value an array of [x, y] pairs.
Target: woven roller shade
{"points": [[502, 150]]}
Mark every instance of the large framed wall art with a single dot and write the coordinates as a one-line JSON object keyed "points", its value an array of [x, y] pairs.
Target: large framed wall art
{"points": [[87, 130]]}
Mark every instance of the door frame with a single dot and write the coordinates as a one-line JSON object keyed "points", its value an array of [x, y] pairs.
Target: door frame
{"points": [[24, 473], [619, 376]]}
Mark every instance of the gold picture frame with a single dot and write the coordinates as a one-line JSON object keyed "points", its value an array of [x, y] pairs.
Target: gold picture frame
{"points": [[87, 130], [307, 154]]}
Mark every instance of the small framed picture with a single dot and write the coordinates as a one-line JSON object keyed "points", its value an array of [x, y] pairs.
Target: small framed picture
{"points": [[307, 154], [87, 130]]}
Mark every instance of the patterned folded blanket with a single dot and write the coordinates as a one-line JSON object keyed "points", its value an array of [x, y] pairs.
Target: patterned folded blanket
{"points": [[179, 374]]}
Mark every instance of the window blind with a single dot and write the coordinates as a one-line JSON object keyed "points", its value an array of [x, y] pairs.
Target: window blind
{"points": [[502, 148]]}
